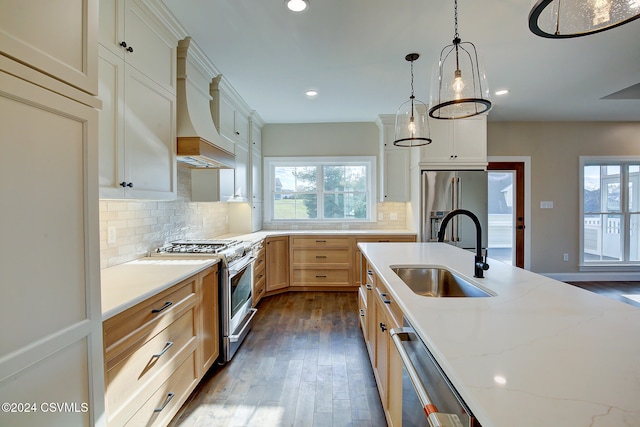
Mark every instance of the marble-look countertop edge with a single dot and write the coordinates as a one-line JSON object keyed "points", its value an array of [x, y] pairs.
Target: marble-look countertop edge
{"points": [[125, 285]]}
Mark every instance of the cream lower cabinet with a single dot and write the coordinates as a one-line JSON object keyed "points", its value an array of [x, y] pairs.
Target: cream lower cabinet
{"points": [[50, 314], [157, 351], [383, 314]]}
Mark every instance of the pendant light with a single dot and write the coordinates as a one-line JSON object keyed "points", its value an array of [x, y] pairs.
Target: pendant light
{"points": [[459, 86], [558, 19], [412, 124]]}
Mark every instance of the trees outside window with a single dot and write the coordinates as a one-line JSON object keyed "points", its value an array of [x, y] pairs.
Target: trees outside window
{"points": [[331, 189]]}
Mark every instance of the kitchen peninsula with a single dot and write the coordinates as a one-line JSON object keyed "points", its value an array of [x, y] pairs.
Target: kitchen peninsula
{"points": [[539, 352]]}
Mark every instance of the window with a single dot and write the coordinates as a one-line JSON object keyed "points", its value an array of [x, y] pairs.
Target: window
{"points": [[610, 211], [320, 189]]}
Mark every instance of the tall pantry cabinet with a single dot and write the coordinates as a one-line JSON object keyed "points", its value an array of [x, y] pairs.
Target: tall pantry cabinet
{"points": [[50, 317]]}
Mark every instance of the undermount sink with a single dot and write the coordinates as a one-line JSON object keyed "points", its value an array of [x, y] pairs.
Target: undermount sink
{"points": [[438, 282]]}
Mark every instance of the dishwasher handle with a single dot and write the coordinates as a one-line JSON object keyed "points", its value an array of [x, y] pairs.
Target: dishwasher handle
{"points": [[435, 418]]}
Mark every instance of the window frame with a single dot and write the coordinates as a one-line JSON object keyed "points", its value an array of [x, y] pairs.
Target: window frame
{"points": [[625, 212], [270, 163]]}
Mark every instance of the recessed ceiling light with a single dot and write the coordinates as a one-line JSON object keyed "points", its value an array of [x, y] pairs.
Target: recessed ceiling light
{"points": [[297, 5], [502, 92], [311, 93]]}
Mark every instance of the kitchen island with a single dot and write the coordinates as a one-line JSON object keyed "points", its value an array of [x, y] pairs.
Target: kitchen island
{"points": [[538, 353]]}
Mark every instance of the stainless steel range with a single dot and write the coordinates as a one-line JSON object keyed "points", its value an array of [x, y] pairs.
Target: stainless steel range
{"points": [[236, 284]]}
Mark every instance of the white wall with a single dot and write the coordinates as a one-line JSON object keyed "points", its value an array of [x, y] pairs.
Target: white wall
{"points": [[555, 148]]}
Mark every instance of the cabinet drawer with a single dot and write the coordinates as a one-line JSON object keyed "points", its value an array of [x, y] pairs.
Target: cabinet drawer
{"points": [[320, 277], [127, 376], [362, 312], [321, 256], [258, 267], [320, 242], [258, 290], [147, 318], [168, 398], [392, 308]]}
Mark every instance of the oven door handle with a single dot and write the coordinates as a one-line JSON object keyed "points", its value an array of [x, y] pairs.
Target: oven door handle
{"points": [[435, 418], [236, 337], [238, 269]]}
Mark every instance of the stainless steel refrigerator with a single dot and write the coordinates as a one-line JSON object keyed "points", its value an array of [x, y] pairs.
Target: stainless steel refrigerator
{"points": [[445, 190]]}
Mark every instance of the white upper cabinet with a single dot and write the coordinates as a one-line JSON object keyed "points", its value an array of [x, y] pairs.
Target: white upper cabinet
{"points": [[230, 113], [458, 144], [47, 37], [242, 178], [395, 184], [137, 137], [136, 36]]}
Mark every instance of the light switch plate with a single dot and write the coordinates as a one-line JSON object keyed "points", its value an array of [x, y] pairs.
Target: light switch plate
{"points": [[546, 204]]}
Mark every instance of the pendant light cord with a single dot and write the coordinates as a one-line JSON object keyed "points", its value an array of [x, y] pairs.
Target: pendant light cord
{"points": [[456, 36], [455, 19]]}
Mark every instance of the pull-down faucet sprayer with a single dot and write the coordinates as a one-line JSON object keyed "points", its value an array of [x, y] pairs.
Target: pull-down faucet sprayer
{"points": [[480, 262]]}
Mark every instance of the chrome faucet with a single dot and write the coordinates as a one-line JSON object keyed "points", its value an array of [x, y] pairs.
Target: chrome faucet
{"points": [[480, 261]]}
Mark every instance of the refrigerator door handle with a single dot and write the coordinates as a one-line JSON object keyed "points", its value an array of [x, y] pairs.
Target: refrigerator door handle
{"points": [[454, 206], [458, 202]]}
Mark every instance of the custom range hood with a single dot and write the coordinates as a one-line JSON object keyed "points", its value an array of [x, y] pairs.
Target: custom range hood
{"points": [[199, 143]]}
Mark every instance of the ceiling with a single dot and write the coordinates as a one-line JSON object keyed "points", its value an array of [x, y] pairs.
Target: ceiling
{"points": [[352, 52]]}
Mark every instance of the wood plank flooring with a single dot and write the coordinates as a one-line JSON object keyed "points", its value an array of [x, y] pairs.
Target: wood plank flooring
{"points": [[613, 290], [303, 364]]}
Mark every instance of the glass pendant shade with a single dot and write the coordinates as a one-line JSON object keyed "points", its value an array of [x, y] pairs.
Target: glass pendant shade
{"points": [[459, 87], [575, 18], [412, 124]]}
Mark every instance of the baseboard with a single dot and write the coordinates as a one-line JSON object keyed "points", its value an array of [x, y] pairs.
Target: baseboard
{"points": [[595, 276]]}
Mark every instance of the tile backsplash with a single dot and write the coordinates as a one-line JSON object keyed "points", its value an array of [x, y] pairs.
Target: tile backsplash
{"points": [[141, 226], [386, 211], [131, 229]]}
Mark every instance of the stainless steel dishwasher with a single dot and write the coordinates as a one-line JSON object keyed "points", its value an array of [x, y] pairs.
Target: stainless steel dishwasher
{"points": [[428, 397]]}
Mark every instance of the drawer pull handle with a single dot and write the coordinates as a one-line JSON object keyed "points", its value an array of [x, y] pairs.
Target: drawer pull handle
{"points": [[321, 256], [320, 276], [260, 276], [321, 241], [166, 402], [165, 306], [369, 272], [368, 286], [164, 350], [383, 327], [384, 299], [362, 314]]}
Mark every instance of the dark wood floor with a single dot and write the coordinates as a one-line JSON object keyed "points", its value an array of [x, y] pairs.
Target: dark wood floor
{"points": [[614, 290], [303, 364]]}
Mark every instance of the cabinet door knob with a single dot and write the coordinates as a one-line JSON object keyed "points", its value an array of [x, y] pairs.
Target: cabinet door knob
{"points": [[129, 49], [126, 184], [123, 44]]}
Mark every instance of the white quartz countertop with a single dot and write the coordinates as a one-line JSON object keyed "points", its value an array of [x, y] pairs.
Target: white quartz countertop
{"points": [[540, 353], [125, 285]]}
